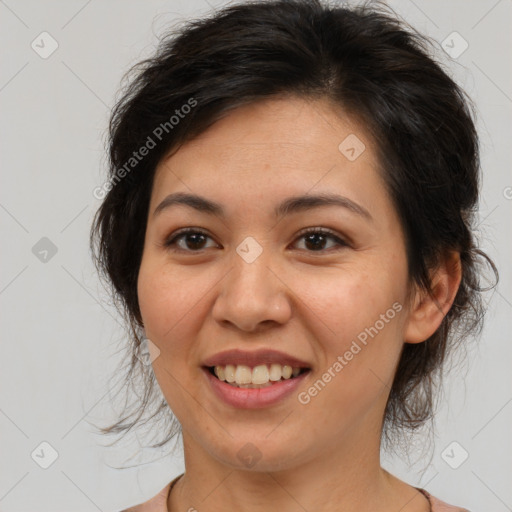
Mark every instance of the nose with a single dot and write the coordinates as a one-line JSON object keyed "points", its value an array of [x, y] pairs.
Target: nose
{"points": [[252, 296]]}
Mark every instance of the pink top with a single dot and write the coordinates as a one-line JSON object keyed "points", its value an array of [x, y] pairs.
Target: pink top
{"points": [[159, 502]]}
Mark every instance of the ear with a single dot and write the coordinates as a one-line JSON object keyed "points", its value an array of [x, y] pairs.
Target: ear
{"points": [[428, 310]]}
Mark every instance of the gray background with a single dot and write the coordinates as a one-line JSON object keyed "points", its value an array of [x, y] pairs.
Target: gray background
{"points": [[60, 336]]}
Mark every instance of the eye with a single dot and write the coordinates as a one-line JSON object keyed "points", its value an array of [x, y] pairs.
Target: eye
{"points": [[188, 240], [315, 239], [194, 240]]}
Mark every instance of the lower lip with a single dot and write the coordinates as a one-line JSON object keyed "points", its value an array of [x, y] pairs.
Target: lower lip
{"points": [[258, 398]]}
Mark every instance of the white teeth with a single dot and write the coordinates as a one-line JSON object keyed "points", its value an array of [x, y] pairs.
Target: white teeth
{"points": [[287, 371], [229, 372], [258, 377], [275, 372], [219, 371], [243, 374], [260, 374]]}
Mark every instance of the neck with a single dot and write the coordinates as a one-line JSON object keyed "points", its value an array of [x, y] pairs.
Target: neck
{"points": [[347, 476]]}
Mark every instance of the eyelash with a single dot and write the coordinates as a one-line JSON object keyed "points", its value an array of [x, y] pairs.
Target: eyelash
{"points": [[171, 241]]}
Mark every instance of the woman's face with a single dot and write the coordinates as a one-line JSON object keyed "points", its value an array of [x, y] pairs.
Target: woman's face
{"points": [[252, 293]]}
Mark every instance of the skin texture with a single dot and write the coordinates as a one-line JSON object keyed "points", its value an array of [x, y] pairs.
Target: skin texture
{"points": [[308, 303]]}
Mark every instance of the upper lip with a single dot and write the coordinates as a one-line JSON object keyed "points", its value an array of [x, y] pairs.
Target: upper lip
{"points": [[254, 358]]}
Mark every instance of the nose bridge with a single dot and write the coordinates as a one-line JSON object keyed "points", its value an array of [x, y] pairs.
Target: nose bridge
{"points": [[251, 270], [251, 293]]}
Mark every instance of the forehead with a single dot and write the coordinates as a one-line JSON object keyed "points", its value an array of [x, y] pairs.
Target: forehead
{"points": [[272, 148]]}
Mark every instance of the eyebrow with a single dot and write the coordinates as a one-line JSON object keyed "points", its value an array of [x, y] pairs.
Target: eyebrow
{"points": [[293, 204]]}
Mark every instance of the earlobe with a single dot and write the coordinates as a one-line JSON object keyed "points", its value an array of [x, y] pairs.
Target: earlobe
{"points": [[428, 310]]}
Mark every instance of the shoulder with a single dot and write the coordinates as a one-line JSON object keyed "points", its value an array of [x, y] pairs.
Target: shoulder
{"points": [[438, 505], [157, 503]]}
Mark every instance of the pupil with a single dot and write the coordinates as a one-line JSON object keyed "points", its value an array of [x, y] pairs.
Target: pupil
{"points": [[316, 245], [195, 240]]}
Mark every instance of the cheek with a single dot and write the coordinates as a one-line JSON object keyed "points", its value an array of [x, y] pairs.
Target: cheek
{"points": [[358, 317], [346, 302], [170, 303], [169, 300], [155, 301]]}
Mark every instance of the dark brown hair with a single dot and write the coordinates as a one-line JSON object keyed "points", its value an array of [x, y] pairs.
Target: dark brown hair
{"points": [[376, 68]]}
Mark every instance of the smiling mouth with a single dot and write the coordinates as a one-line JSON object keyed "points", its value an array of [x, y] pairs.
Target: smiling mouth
{"points": [[261, 376]]}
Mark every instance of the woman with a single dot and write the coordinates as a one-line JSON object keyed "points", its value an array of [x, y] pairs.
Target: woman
{"points": [[288, 224]]}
